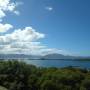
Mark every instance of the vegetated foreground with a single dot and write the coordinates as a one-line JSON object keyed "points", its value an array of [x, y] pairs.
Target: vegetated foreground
{"points": [[16, 75]]}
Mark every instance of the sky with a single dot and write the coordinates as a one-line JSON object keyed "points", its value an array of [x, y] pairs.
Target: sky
{"points": [[40, 27]]}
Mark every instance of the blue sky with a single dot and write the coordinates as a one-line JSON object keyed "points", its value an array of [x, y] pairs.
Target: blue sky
{"points": [[65, 23]]}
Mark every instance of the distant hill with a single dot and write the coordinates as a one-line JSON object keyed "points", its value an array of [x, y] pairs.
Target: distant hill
{"points": [[18, 56], [58, 56]]}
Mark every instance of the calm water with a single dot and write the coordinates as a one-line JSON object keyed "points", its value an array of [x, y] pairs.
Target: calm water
{"points": [[59, 63]]}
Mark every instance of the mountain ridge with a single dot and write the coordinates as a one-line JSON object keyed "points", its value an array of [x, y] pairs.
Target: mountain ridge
{"points": [[45, 57]]}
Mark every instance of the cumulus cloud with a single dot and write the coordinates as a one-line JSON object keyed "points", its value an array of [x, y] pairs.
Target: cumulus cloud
{"points": [[49, 8], [25, 41], [7, 5], [27, 34], [21, 41], [5, 27]]}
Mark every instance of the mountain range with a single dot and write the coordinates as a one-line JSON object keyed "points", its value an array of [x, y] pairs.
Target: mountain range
{"points": [[18, 56], [58, 56], [45, 57]]}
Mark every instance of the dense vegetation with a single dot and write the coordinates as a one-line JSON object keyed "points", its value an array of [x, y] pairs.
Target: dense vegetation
{"points": [[16, 75]]}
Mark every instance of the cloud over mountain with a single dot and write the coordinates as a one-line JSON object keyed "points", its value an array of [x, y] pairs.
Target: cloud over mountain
{"points": [[24, 41]]}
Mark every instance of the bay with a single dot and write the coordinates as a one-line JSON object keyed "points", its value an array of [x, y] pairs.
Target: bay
{"points": [[59, 63]]}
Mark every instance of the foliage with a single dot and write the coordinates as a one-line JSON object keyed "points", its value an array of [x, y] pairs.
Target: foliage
{"points": [[15, 75], [2, 88]]}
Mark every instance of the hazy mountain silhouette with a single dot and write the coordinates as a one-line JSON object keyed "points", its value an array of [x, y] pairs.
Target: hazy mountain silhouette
{"points": [[58, 56], [18, 56], [48, 56]]}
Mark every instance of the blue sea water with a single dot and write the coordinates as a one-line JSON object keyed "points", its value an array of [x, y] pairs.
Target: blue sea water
{"points": [[59, 63]]}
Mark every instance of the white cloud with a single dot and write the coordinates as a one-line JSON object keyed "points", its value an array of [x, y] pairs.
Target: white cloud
{"points": [[49, 8], [25, 35], [5, 27], [25, 42], [17, 12], [21, 41], [7, 5], [2, 14]]}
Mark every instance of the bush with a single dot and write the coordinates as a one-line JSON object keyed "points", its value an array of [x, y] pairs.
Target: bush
{"points": [[16, 75]]}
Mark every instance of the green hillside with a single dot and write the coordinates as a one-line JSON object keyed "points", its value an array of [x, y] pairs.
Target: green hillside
{"points": [[16, 75]]}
